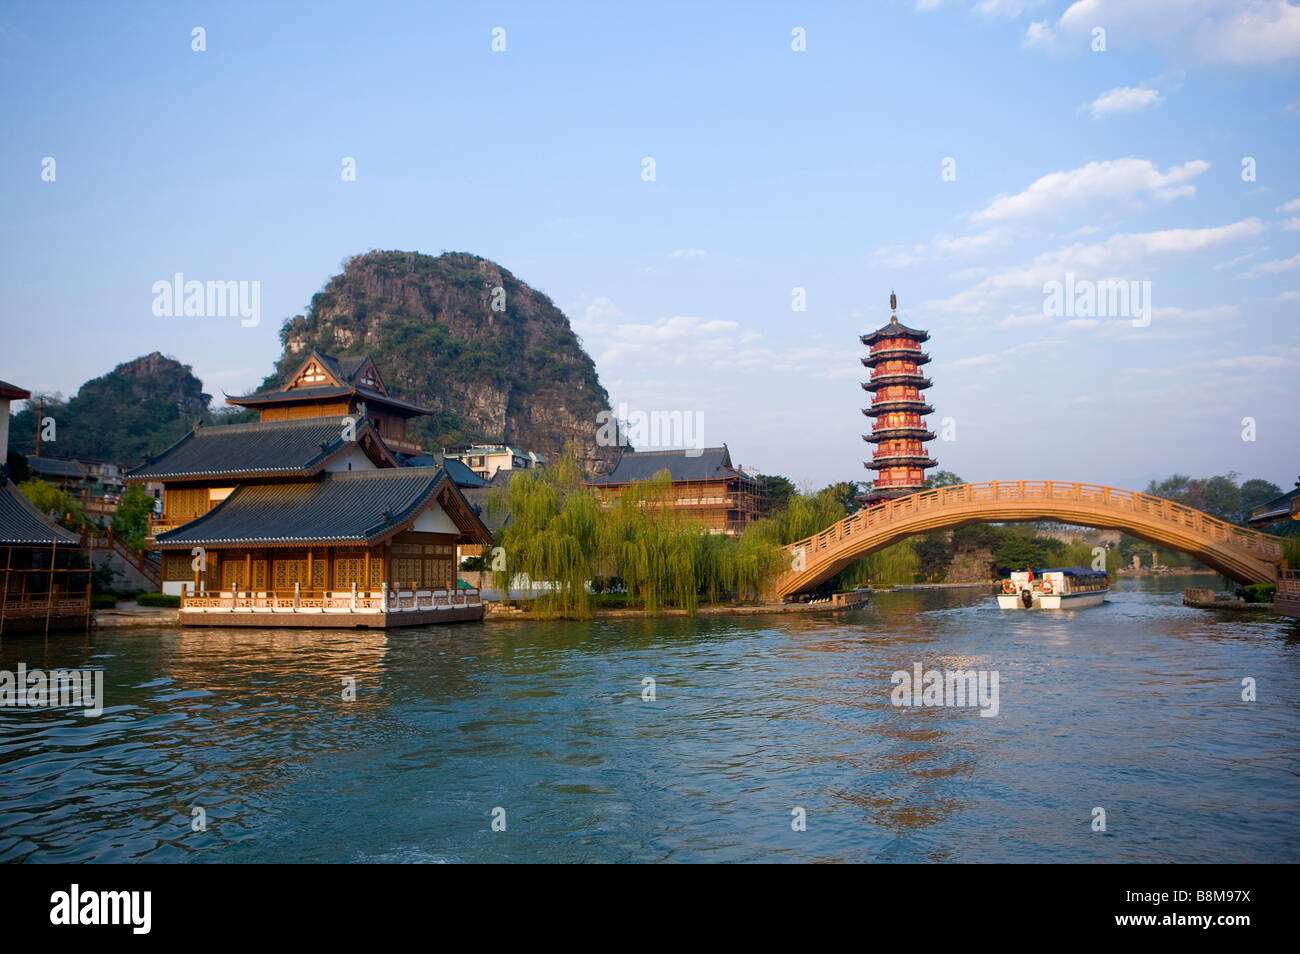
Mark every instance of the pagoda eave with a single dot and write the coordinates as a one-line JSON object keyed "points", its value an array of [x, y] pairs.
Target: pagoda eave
{"points": [[898, 433], [899, 380], [902, 460], [915, 355], [885, 407]]}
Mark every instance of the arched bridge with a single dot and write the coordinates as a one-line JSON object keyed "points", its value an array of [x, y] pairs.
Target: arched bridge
{"points": [[1247, 556]]}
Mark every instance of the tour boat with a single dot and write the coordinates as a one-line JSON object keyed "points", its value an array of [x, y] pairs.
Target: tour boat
{"points": [[1072, 587]]}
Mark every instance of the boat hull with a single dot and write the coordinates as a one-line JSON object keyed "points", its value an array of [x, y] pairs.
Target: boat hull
{"points": [[1070, 601]]}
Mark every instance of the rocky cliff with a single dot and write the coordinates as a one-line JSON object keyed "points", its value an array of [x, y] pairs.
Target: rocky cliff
{"points": [[494, 358]]}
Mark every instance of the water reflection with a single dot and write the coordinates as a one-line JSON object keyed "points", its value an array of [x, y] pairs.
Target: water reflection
{"points": [[1135, 705]]}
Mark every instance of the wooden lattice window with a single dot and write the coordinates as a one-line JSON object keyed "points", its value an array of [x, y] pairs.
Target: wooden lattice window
{"points": [[185, 503]]}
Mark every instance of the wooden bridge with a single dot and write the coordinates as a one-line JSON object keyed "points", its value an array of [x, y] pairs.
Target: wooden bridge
{"points": [[1247, 556]]}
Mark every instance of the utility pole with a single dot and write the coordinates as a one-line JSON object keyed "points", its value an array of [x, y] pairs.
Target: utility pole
{"points": [[40, 416]]}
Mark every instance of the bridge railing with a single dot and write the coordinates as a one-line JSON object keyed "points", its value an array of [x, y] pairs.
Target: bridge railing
{"points": [[1096, 495]]}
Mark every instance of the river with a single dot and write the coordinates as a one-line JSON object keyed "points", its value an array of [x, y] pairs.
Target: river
{"points": [[759, 725]]}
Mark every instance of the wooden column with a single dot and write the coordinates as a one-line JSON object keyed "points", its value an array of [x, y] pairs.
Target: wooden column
{"points": [[366, 571], [248, 571], [309, 566]]}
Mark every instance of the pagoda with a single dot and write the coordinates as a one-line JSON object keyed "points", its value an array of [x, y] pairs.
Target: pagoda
{"points": [[899, 432]]}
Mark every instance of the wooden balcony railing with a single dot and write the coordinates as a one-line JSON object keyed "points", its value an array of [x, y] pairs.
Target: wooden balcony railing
{"points": [[384, 600]]}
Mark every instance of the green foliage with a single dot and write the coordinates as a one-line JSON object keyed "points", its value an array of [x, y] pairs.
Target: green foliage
{"points": [[49, 499], [159, 599], [103, 600], [1259, 592], [776, 491], [132, 520], [932, 554], [1018, 553], [942, 478], [562, 538], [142, 406], [1218, 496], [894, 565]]}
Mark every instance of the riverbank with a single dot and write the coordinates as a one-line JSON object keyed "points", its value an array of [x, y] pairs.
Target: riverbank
{"points": [[133, 614], [500, 611]]}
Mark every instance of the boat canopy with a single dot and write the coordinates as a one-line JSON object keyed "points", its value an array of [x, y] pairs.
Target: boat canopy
{"points": [[1073, 571]]}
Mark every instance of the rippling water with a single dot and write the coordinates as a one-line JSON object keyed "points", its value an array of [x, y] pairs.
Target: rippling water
{"points": [[1134, 706]]}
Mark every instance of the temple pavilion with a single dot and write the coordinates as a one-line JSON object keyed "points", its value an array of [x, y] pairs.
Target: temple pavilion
{"points": [[41, 586], [311, 516], [899, 431]]}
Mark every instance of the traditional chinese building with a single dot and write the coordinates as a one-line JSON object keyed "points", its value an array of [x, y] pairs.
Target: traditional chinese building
{"points": [[325, 386], [308, 518], [706, 487], [41, 587], [897, 408]]}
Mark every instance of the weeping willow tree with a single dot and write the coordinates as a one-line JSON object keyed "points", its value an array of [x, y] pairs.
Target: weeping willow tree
{"points": [[562, 537], [893, 565], [550, 537]]}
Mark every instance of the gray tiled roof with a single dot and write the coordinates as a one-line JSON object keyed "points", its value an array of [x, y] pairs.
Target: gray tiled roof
{"points": [[335, 508], [456, 469], [712, 463], [323, 392], [21, 524], [55, 466], [289, 448], [895, 329], [13, 391]]}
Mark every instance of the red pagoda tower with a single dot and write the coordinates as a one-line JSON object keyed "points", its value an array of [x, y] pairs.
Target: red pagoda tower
{"points": [[899, 432]]}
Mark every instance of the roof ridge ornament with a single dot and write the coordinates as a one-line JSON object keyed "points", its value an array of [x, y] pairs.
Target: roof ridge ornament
{"points": [[893, 307]]}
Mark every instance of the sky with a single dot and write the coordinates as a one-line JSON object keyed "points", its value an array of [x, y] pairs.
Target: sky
{"points": [[965, 154]]}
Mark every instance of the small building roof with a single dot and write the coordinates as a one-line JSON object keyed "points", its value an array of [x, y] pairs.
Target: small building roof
{"points": [[297, 448], [13, 392], [1283, 507], [55, 467], [710, 463], [22, 525], [456, 469], [356, 507]]}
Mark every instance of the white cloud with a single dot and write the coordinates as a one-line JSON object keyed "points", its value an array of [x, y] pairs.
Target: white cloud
{"points": [[1124, 99], [1039, 36], [1240, 258], [1249, 33], [1292, 224], [689, 253], [1215, 313], [1123, 255], [1274, 267], [1111, 179], [1006, 8], [1292, 206]]}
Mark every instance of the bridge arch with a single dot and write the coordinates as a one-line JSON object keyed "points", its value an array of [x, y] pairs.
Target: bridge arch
{"points": [[1247, 556]]}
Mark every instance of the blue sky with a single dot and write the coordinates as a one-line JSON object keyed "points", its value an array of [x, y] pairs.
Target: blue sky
{"points": [[818, 169]]}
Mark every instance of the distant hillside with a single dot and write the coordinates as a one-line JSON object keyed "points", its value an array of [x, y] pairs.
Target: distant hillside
{"points": [[518, 375], [140, 406]]}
